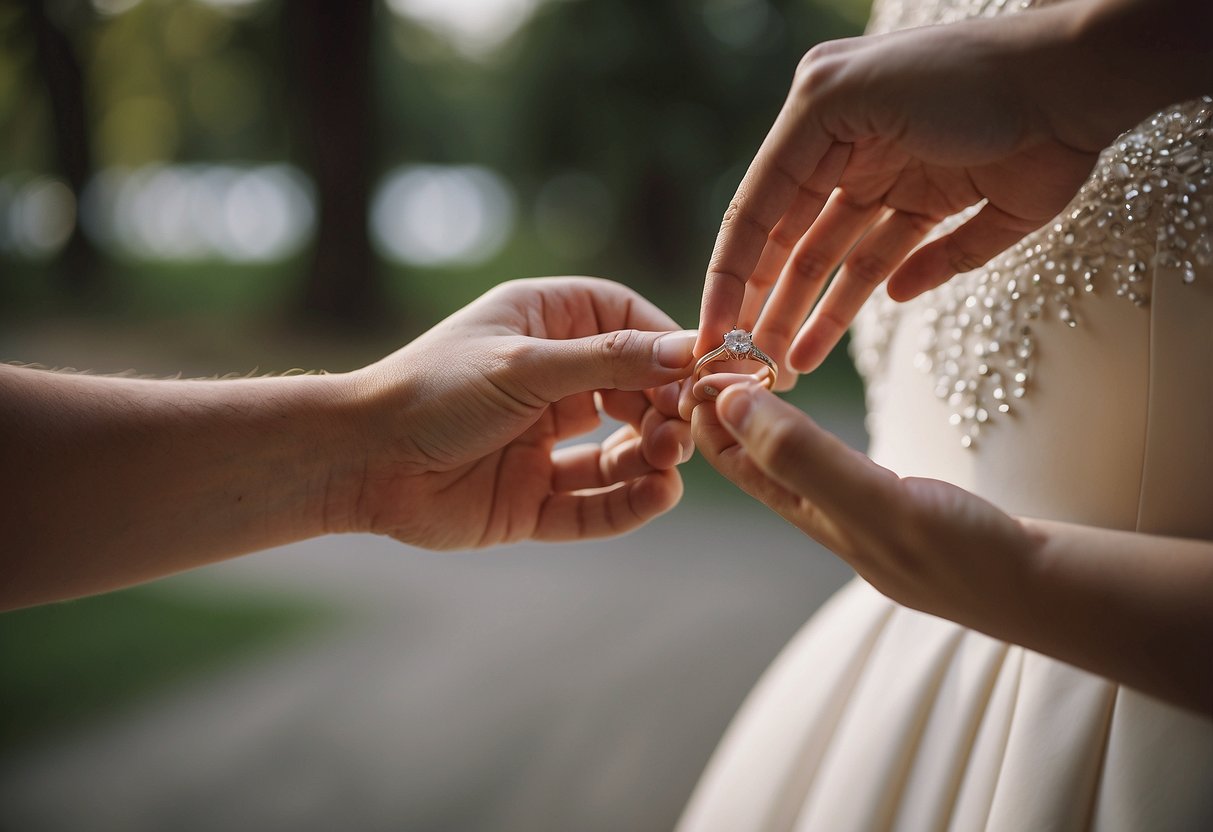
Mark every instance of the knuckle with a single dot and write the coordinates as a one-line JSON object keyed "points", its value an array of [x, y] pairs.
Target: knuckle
{"points": [[616, 350], [869, 269], [810, 265], [510, 287], [816, 70], [513, 352], [510, 290], [829, 318], [920, 224], [738, 214], [784, 237], [732, 212], [613, 346], [962, 260], [761, 280], [778, 332]]}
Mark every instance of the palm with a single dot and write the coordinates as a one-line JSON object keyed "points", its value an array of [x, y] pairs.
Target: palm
{"points": [[480, 500], [474, 410], [1033, 184], [881, 139]]}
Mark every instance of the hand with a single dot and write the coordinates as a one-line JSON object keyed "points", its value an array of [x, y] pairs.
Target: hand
{"points": [[923, 543], [883, 137], [459, 441]]}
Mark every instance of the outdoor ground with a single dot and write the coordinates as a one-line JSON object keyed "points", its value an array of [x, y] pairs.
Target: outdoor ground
{"points": [[353, 683]]}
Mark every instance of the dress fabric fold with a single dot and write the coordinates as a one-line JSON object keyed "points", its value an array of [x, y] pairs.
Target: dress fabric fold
{"points": [[1081, 391]]}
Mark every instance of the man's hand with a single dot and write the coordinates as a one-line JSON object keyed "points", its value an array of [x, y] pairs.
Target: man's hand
{"points": [[459, 441]]}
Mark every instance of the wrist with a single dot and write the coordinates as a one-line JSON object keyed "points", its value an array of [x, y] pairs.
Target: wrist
{"points": [[1111, 63], [1014, 607], [338, 413]]}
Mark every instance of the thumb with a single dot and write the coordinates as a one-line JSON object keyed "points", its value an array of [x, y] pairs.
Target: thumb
{"points": [[795, 452], [626, 359]]}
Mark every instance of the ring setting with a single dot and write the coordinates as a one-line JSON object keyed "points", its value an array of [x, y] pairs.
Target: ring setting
{"points": [[739, 346]]}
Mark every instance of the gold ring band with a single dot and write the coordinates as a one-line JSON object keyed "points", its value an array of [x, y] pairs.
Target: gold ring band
{"points": [[739, 346]]}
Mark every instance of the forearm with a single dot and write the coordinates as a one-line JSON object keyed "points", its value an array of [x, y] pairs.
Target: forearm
{"points": [[1104, 65], [112, 481], [1133, 607]]}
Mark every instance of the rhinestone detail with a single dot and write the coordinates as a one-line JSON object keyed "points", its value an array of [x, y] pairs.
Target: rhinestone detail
{"points": [[1144, 209]]}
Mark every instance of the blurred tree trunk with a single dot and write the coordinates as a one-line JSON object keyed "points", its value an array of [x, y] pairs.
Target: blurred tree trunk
{"points": [[60, 69], [662, 232], [329, 84]]}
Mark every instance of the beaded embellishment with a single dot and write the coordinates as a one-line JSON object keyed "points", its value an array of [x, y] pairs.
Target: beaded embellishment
{"points": [[1144, 207]]}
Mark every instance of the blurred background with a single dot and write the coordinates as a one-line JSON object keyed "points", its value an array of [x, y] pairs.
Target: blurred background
{"points": [[213, 187]]}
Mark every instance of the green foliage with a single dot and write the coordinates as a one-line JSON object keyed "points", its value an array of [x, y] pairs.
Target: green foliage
{"points": [[62, 664], [662, 102]]}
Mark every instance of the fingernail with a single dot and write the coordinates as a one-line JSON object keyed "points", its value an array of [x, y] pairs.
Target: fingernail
{"points": [[736, 408], [710, 391], [674, 350]]}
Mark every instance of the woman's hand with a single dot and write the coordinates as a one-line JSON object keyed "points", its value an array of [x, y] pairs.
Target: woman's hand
{"points": [[883, 137], [1128, 606], [463, 421], [924, 543]]}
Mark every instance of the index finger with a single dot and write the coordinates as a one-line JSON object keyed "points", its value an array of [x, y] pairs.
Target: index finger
{"points": [[787, 162], [574, 307]]}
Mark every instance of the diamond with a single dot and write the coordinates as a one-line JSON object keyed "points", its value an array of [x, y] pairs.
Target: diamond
{"points": [[738, 341]]}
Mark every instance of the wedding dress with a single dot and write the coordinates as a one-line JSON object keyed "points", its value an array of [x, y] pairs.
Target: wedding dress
{"points": [[1072, 379]]}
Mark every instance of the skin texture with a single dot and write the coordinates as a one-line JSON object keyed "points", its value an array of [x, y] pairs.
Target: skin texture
{"points": [[460, 452], [447, 443], [883, 137], [880, 139], [1131, 607]]}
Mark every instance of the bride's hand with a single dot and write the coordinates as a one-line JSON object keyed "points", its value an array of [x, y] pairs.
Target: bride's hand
{"points": [[924, 543], [459, 440], [882, 137]]}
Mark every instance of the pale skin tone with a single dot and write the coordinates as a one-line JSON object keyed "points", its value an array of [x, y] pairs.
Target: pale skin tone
{"points": [[449, 442], [880, 139], [445, 444]]}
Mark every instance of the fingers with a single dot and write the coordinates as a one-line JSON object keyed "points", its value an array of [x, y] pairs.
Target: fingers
{"points": [[654, 439], [592, 465], [841, 223], [687, 400], [630, 478], [665, 398], [788, 162], [872, 260], [721, 450], [972, 245], [626, 359], [570, 307], [788, 447], [805, 209], [712, 385], [665, 442], [666, 439], [614, 510], [627, 406], [573, 416]]}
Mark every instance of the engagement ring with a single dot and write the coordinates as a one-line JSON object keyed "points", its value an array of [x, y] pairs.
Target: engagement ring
{"points": [[739, 346]]}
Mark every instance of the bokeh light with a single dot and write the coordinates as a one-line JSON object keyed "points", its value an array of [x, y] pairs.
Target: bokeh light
{"points": [[37, 215], [199, 212], [474, 27], [740, 24], [431, 215]]}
